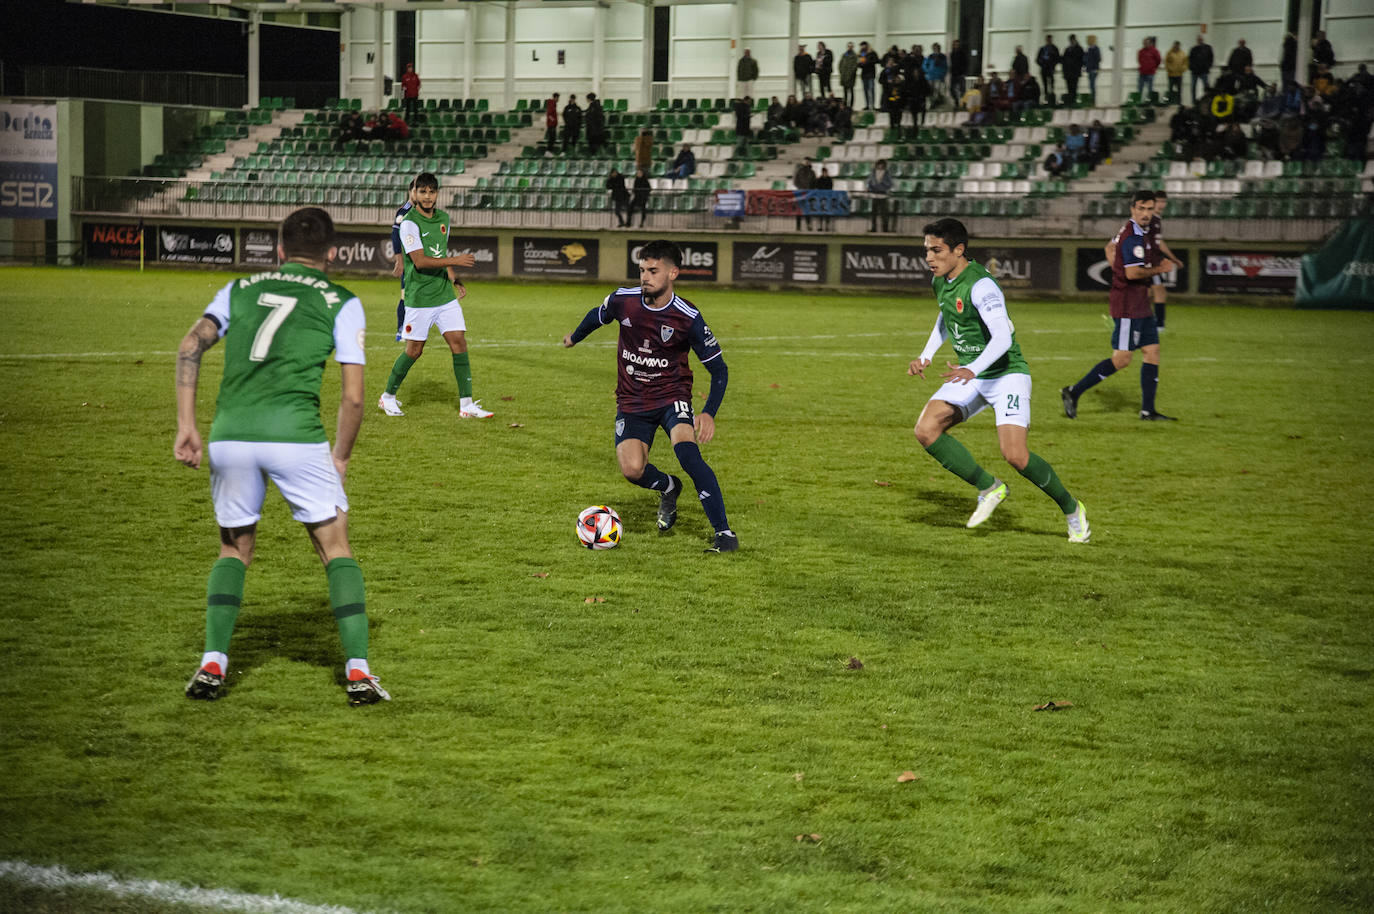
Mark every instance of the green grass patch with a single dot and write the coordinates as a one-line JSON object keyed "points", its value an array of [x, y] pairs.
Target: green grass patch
{"points": [[662, 751]]}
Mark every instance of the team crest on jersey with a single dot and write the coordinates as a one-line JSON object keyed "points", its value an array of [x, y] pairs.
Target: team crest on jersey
{"points": [[443, 229], [959, 306], [666, 333]]}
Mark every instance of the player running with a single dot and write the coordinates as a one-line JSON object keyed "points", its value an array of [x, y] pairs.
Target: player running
{"points": [[654, 386], [991, 371], [279, 327], [429, 299], [1133, 320]]}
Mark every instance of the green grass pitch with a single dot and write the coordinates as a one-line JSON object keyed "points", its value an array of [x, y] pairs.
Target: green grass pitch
{"points": [[663, 750]]}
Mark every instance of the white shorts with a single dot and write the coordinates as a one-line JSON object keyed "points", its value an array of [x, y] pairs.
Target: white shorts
{"points": [[1008, 395], [419, 320], [303, 473]]}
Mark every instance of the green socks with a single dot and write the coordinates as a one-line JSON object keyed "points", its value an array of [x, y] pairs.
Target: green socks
{"points": [[956, 458], [462, 372], [346, 596], [1042, 474], [223, 595], [398, 373]]}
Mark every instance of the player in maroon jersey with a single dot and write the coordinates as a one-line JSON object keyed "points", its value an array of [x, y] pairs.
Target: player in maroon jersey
{"points": [[654, 386]]}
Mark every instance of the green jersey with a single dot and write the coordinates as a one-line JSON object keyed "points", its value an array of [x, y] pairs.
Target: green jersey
{"points": [[972, 307], [279, 328], [426, 288]]}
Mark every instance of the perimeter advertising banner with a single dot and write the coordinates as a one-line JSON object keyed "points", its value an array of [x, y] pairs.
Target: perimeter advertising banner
{"points": [[767, 262], [1021, 268], [28, 161], [1094, 274], [883, 265], [578, 257], [364, 252], [483, 248], [194, 244], [1243, 272], [112, 241], [258, 247], [700, 260]]}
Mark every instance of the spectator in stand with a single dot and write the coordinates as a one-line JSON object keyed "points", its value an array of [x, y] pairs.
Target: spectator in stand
{"points": [[1288, 60], [685, 163], [849, 73], [1175, 65], [1322, 53], [792, 114], [596, 124], [880, 189], [894, 97], [958, 69], [1076, 144], [551, 123], [936, 67], [825, 64], [803, 179], [572, 124], [972, 102], [918, 93], [997, 94], [825, 182], [1047, 58], [868, 72], [1324, 83], [1025, 94], [744, 111], [1200, 65], [1099, 143], [1072, 62], [410, 89], [842, 121], [642, 189], [1249, 83], [1240, 58], [1233, 142], [643, 148], [1020, 66], [912, 62], [1057, 162], [351, 127], [802, 67], [1092, 62], [620, 198], [1147, 60], [746, 72], [775, 116]]}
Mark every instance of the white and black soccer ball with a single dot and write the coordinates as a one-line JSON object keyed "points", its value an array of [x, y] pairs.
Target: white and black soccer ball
{"points": [[598, 527]]}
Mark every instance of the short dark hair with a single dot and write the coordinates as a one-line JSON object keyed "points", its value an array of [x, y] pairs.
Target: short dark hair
{"points": [[951, 231], [1162, 194], [1142, 196], [308, 232], [426, 179], [662, 249]]}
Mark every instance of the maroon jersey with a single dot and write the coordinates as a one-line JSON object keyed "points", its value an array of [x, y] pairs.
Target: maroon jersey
{"points": [[653, 369], [1130, 297], [1152, 232]]}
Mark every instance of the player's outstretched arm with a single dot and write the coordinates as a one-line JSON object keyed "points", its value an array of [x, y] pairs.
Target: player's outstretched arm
{"points": [[188, 447], [705, 421], [350, 415], [937, 339], [590, 322]]}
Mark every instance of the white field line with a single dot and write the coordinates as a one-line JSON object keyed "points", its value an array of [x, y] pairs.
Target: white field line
{"points": [[57, 878]]}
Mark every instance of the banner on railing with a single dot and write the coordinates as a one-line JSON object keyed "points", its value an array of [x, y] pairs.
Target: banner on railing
{"points": [[699, 260], [28, 161], [769, 262], [796, 203], [557, 257], [730, 203]]}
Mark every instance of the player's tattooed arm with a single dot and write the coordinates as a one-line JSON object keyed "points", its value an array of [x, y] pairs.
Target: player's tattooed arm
{"points": [[203, 335], [187, 446]]}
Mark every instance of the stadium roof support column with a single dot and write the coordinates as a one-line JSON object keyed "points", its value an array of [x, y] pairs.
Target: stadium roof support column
{"points": [[598, 49], [469, 49], [879, 30], [646, 62], [1304, 41], [1038, 17], [1118, 53], [794, 39], [510, 55], [736, 43], [379, 26], [345, 38], [254, 56]]}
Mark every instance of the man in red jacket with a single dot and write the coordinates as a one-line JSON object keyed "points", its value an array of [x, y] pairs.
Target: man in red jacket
{"points": [[410, 85], [1147, 59], [551, 121]]}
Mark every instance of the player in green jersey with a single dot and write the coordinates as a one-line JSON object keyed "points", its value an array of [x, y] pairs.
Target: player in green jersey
{"points": [[991, 371], [279, 327], [430, 299]]}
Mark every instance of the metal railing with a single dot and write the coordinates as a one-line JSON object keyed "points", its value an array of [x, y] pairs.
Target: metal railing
{"points": [[211, 90]]}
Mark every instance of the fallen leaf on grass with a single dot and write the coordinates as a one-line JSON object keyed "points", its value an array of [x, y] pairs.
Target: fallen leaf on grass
{"points": [[907, 776], [812, 838], [879, 482], [799, 775], [1054, 706], [775, 386], [508, 399], [541, 574], [855, 664], [595, 600], [517, 425]]}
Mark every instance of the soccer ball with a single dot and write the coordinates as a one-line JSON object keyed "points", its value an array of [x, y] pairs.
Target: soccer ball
{"points": [[598, 527]]}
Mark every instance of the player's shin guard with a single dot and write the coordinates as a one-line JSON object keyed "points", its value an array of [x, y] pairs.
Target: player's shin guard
{"points": [[347, 598], [399, 370], [1039, 472], [462, 373], [953, 456], [1149, 383], [1096, 375], [704, 478], [652, 478], [223, 595]]}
